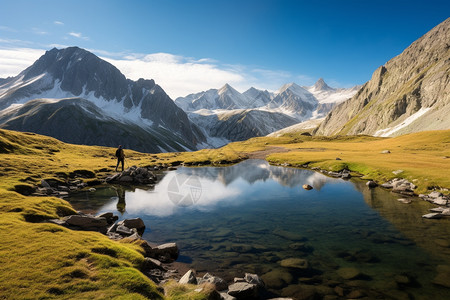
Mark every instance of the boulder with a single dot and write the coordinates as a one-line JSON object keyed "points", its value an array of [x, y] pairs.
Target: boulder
{"points": [[440, 201], [307, 187], [243, 290], [349, 273], [277, 279], [295, 263], [432, 216], [124, 231], [188, 278], [254, 279], [109, 216], [133, 223], [435, 194], [218, 282], [385, 152], [166, 253], [151, 263], [87, 222], [371, 184], [225, 296]]}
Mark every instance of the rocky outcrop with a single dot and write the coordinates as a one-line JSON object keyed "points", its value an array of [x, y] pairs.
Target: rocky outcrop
{"points": [[410, 93], [133, 175]]}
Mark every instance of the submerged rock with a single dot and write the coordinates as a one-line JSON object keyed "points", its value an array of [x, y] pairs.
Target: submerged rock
{"points": [[295, 263]]}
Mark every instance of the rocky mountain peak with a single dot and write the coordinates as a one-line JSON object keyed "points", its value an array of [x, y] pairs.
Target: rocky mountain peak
{"points": [[321, 85]]}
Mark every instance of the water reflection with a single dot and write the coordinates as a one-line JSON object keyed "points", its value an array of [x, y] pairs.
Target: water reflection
{"points": [[207, 189]]}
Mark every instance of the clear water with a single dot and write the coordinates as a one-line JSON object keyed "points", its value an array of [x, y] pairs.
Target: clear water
{"points": [[251, 216]]}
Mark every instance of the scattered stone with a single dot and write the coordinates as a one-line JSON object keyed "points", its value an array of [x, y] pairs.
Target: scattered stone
{"points": [[396, 172], [188, 278], [295, 263], [243, 290], [435, 194], [385, 152], [87, 222], [277, 279], [446, 212], [387, 185], [124, 230], [437, 209], [133, 223], [440, 201], [92, 190], [307, 187], [432, 216], [218, 282], [225, 296], [349, 273], [337, 158], [151, 263], [371, 184], [404, 201], [254, 279], [238, 279]]}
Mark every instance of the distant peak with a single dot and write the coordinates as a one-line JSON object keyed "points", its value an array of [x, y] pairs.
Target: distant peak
{"points": [[320, 85], [290, 86], [226, 88]]}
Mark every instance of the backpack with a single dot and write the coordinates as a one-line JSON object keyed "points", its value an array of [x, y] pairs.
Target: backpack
{"points": [[118, 153]]}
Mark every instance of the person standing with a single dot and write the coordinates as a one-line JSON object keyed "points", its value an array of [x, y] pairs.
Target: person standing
{"points": [[120, 157]]}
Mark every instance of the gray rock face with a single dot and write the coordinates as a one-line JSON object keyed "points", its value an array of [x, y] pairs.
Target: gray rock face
{"points": [[413, 85], [74, 72], [218, 282]]}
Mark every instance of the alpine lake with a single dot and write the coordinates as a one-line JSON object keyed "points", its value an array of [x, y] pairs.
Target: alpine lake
{"points": [[339, 240]]}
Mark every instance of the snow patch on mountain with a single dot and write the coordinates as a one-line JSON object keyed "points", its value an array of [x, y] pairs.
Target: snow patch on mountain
{"points": [[391, 130]]}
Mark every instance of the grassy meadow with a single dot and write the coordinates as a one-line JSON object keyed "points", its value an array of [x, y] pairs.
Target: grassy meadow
{"points": [[42, 260]]}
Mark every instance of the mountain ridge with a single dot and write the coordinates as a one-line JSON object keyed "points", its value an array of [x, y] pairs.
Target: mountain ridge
{"points": [[410, 93], [76, 73]]}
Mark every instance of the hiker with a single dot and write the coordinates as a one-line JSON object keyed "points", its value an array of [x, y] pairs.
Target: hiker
{"points": [[120, 157]]}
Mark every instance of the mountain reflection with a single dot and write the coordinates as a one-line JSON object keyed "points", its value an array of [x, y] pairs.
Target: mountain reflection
{"points": [[208, 188]]}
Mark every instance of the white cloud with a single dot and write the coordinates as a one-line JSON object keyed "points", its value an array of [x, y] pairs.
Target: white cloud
{"points": [[58, 23], [78, 35], [177, 75], [15, 60], [39, 31]]}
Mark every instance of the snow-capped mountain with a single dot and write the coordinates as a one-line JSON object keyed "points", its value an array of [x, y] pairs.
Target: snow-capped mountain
{"points": [[80, 75], [226, 115]]}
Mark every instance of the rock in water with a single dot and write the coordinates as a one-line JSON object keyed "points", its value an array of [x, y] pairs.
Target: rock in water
{"points": [[307, 187]]}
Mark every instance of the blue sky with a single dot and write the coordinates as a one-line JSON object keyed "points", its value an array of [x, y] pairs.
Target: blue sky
{"points": [[189, 46]]}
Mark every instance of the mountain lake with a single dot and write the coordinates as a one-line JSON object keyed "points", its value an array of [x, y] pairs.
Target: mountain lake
{"points": [[351, 241]]}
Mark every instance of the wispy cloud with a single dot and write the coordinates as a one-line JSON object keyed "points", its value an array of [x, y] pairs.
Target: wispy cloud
{"points": [[8, 29], [58, 23], [78, 35], [39, 31]]}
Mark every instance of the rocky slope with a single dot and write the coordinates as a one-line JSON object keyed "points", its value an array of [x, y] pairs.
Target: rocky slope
{"points": [[410, 93], [136, 107]]}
